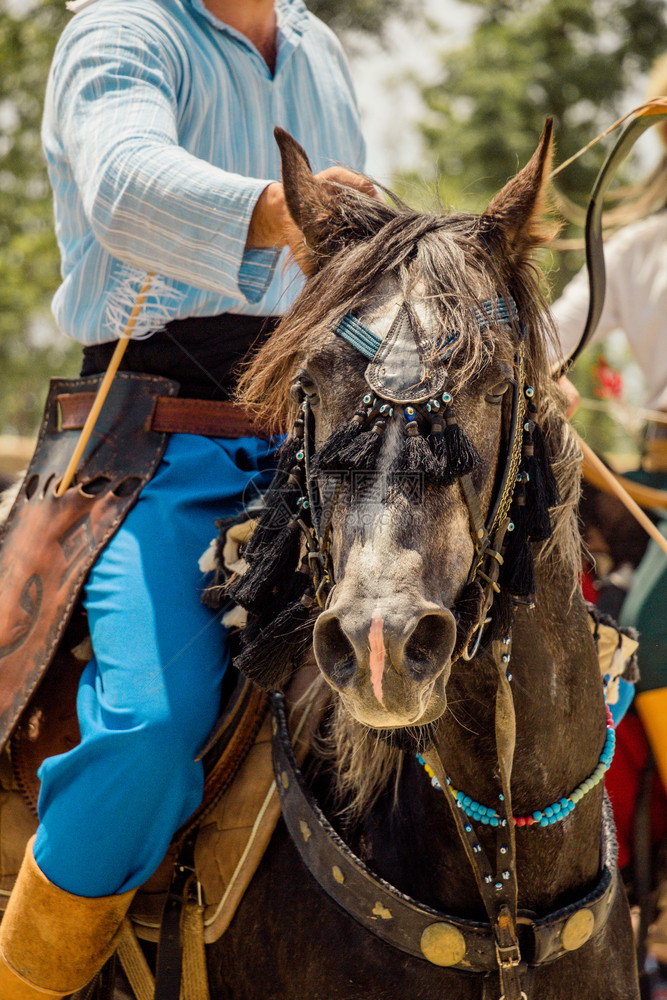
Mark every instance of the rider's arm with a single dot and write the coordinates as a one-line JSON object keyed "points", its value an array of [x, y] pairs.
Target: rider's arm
{"points": [[115, 106]]}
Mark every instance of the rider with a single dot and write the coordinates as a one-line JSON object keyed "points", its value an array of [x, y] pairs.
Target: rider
{"points": [[158, 134], [636, 302]]}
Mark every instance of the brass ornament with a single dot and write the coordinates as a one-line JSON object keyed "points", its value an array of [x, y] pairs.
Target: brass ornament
{"points": [[443, 944], [577, 930], [337, 874], [306, 832]]}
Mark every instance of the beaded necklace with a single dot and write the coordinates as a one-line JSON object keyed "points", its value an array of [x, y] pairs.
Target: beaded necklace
{"points": [[541, 817]]}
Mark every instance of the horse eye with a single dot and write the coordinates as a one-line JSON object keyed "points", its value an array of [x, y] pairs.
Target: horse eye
{"points": [[304, 383], [496, 394]]}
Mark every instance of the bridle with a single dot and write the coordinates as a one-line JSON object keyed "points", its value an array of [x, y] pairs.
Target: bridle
{"points": [[488, 533]]}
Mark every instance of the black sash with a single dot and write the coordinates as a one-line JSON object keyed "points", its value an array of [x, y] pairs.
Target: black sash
{"points": [[202, 353]]}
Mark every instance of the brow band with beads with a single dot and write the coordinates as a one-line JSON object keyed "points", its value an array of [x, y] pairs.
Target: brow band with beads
{"points": [[363, 339]]}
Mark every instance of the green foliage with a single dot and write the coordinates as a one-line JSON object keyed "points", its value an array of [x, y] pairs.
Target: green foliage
{"points": [[359, 15], [28, 256], [527, 59]]}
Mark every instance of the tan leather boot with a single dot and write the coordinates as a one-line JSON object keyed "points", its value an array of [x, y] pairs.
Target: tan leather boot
{"points": [[51, 942]]}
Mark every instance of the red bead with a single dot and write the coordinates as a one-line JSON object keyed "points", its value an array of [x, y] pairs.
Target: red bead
{"points": [[520, 821], [529, 820]]}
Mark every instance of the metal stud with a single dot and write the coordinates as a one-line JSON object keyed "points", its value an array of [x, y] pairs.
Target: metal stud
{"points": [[506, 875], [505, 657]]}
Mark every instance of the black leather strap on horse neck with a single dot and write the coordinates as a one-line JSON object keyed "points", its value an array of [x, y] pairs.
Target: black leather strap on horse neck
{"points": [[410, 926], [497, 882], [594, 248]]}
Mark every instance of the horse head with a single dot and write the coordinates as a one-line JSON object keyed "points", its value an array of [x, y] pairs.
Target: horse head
{"points": [[417, 474]]}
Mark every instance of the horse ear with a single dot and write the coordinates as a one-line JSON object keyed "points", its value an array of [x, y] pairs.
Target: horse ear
{"points": [[517, 210], [309, 203]]}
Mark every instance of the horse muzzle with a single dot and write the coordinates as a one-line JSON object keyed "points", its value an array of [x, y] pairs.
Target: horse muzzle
{"points": [[389, 664]]}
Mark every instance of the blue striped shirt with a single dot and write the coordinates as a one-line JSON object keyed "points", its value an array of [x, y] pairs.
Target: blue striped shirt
{"points": [[158, 134]]}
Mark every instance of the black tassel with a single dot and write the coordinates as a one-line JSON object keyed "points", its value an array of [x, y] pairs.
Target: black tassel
{"points": [[461, 452], [437, 441], [271, 656], [279, 501], [364, 451], [517, 574], [543, 462], [271, 567], [540, 484], [328, 458], [438, 444], [416, 456]]}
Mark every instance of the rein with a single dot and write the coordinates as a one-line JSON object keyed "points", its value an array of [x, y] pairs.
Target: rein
{"points": [[648, 114], [497, 880]]}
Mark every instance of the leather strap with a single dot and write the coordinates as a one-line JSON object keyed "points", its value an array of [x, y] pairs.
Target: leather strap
{"points": [[169, 964], [210, 418], [407, 924], [497, 880]]}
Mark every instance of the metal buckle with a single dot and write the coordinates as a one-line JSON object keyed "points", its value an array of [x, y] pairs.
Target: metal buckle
{"points": [[511, 960], [467, 653]]}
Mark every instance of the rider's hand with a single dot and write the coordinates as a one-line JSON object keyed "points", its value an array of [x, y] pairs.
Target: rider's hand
{"points": [[271, 225]]}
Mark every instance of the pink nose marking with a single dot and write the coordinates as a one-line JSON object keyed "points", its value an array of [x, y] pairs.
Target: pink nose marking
{"points": [[377, 654]]}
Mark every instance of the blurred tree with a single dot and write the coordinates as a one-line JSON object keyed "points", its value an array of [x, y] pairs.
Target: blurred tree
{"points": [[360, 15], [29, 268], [28, 254], [526, 59]]}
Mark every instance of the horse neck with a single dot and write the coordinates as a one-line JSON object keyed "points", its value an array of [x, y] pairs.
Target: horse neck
{"points": [[560, 727]]}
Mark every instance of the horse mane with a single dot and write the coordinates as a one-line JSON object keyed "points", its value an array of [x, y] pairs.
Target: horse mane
{"points": [[456, 261]]}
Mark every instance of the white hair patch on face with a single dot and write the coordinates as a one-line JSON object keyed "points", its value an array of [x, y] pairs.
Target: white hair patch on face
{"points": [[377, 657]]}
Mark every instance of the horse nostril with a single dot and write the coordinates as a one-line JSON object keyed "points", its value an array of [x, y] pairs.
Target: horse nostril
{"points": [[333, 651], [430, 645]]}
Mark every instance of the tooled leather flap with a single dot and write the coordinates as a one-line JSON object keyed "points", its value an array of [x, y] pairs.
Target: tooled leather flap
{"points": [[49, 543]]}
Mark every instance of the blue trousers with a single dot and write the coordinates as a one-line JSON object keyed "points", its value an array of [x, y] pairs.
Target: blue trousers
{"points": [[150, 696]]}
